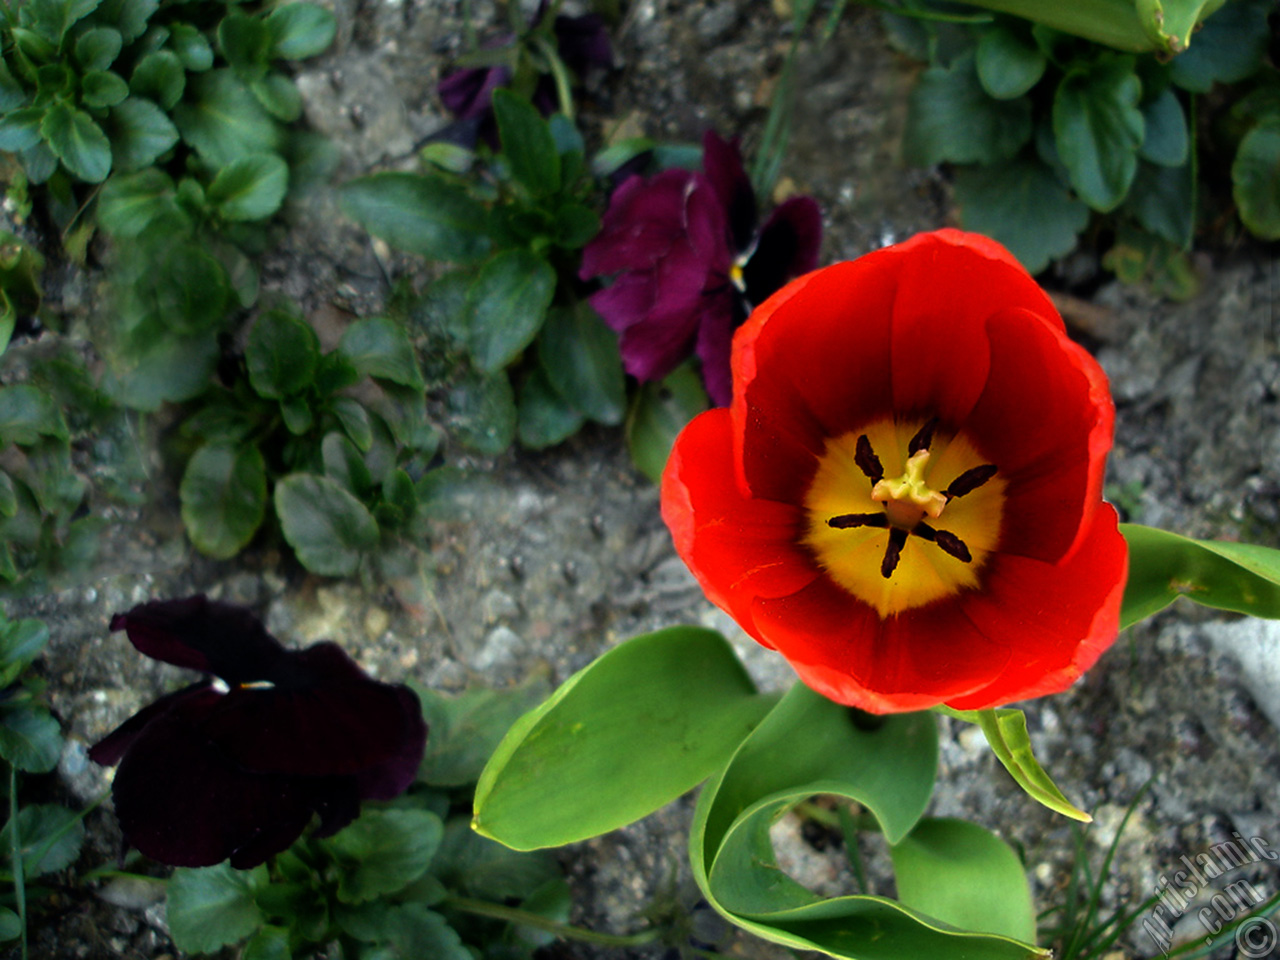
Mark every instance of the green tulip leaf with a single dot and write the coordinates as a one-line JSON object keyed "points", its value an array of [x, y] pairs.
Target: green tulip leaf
{"points": [[632, 731], [964, 875], [809, 745], [1006, 732], [1163, 566]]}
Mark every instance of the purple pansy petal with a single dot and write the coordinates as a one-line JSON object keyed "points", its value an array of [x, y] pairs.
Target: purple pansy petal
{"points": [[468, 93], [108, 751], [788, 248], [583, 42], [722, 164], [327, 718], [721, 316], [205, 635], [180, 801], [644, 219], [392, 778]]}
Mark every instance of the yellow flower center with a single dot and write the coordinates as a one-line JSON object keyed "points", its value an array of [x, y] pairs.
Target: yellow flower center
{"points": [[900, 517]]}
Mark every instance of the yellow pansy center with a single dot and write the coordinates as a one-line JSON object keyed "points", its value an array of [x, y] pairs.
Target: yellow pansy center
{"points": [[901, 517]]}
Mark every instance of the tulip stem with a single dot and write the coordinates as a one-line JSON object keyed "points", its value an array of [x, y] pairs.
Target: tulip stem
{"points": [[496, 911]]}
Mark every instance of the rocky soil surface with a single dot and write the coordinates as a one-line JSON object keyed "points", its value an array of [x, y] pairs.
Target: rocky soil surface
{"points": [[552, 558]]}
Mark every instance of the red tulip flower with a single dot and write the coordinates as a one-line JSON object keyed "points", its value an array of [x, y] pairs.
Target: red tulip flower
{"points": [[905, 497]]}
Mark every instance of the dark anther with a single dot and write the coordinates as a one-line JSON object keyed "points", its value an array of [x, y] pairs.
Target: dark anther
{"points": [[847, 520], [948, 543], [970, 481], [922, 439], [893, 552], [867, 460]]}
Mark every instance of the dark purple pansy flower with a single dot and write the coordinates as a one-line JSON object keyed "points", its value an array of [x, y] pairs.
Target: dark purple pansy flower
{"points": [[689, 260], [236, 768]]}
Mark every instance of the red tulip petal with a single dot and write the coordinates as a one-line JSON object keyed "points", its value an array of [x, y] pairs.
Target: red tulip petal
{"points": [[1061, 617], [738, 548], [1046, 420], [844, 650], [811, 362]]}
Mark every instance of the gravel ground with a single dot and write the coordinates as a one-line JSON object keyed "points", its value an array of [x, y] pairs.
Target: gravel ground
{"points": [[551, 558]]}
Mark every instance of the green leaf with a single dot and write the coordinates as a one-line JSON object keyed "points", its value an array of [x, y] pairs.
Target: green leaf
{"points": [[269, 943], [481, 411], [281, 355], [246, 43], [30, 739], [466, 729], [168, 370], [296, 411], [1166, 141], [1098, 128], [1228, 48], [28, 413], [140, 133], [102, 88], [508, 302], [279, 96], [128, 16], [8, 496], [327, 527], [77, 141], [964, 875], [1006, 732], [12, 94], [527, 143], [384, 851], [223, 120], [416, 931], [1255, 178], [20, 129], [159, 76], [301, 30], [951, 117], [52, 18], [50, 838], [250, 188], [809, 745], [632, 731], [1228, 576], [545, 417], [193, 293], [354, 419], [419, 214], [580, 357], [98, 47], [379, 347], [21, 641], [476, 866], [224, 498], [130, 203], [191, 46], [213, 907], [1022, 205], [1008, 66], [659, 411], [10, 924], [343, 463], [575, 226], [1162, 198]]}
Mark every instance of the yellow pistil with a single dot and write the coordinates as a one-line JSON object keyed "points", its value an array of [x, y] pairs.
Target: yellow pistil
{"points": [[888, 521], [736, 275]]}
